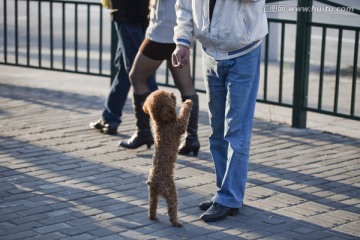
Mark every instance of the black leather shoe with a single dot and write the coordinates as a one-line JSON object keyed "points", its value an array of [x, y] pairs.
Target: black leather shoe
{"points": [[218, 212], [104, 126], [205, 205], [137, 140]]}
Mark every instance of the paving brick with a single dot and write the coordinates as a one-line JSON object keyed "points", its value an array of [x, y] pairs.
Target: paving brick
{"points": [[30, 218], [6, 225], [111, 237], [19, 235], [84, 236], [78, 230], [351, 228], [101, 232], [57, 219], [304, 230], [37, 210], [9, 217], [23, 227], [52, 228], [52, 236]]}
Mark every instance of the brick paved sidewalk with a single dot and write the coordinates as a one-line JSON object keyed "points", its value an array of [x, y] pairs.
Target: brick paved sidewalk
{"points": [[61, 180]]}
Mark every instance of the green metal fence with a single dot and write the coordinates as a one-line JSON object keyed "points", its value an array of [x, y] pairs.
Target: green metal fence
{"points": [[58, 35], [77, 37]]}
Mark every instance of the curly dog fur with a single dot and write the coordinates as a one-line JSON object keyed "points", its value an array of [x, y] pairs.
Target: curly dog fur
{"points": [[167, 128]]}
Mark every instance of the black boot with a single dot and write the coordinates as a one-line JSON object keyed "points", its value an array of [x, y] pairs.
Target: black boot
{"points": [[143, 135], [191, 143]]}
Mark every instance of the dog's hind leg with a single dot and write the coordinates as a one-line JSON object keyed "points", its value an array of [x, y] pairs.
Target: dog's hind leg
{"points": [[153, 201], [172, 204]]}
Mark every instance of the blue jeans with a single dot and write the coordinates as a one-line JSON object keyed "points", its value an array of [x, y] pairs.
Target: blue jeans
{"points": [[231, 87], [130, 37]]}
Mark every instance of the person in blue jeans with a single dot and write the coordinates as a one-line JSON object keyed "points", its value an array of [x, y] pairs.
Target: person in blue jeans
{"points": [[230, 33], [131, 20]]}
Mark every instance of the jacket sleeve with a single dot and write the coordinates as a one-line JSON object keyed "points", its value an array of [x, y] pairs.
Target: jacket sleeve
{"points": [[184, 29]]}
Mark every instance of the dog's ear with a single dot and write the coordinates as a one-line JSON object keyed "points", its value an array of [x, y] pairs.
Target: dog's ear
{"points": [[168, 114]]}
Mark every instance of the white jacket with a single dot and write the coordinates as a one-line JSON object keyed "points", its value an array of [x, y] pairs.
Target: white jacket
{"points": [[236, 28], [162, 21]]}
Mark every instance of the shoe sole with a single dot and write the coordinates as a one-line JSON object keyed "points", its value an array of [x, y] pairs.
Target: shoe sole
{"points": [[106, 131], [102, 130], [129, 146], [206, 206], [232, 212]]}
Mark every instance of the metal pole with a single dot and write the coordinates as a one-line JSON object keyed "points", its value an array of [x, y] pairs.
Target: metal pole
{"points": [[302, 58], [114, 43]]}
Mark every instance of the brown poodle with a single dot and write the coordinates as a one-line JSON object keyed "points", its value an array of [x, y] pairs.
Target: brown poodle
{"points": [[167, 128]]}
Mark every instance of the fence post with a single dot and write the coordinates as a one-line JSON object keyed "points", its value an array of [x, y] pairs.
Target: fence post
{"points": [[302, 58], [113, 45]]}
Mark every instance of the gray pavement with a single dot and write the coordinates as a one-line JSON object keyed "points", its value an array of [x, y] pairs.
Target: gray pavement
{"points": [[61, 180]]}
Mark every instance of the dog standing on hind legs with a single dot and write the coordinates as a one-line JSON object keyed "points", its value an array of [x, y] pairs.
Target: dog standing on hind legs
{"points": [[167, 128]]}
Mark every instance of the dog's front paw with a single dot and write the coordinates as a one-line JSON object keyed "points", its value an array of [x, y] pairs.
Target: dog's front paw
{"points": [[188, 102]]}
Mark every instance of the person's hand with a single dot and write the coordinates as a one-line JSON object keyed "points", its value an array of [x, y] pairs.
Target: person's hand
{"points": [[180, 56]]}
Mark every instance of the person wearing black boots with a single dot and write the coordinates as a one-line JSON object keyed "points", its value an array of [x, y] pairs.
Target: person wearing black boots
{"points": [[191, 143], [157, 47]]}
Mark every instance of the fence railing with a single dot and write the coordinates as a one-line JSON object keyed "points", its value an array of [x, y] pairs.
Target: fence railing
{"points": [[60, 35], [313, 89], [341, 73], [300, 74]]}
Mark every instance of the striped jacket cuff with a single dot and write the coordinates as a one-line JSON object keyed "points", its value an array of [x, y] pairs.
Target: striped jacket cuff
{"points": [[184, 42]]}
